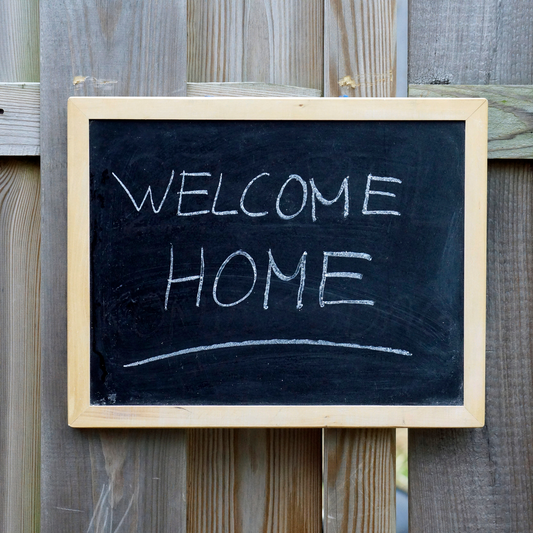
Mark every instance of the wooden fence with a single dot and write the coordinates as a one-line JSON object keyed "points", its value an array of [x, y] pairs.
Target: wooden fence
{"points": [[57, 479]]}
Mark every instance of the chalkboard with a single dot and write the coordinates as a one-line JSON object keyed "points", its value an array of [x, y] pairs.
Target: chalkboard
{"points": [[246, 263]]}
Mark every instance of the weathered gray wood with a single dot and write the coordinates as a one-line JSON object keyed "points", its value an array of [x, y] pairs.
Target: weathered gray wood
{"points": [[255, 480], [19, 282], [482, 480], [19, 344], [269, 41], [94, 481], [470, 43], [510, 111], [20, 107], [248, 89], [360, 48], [19, 119], [510, 114], [19, 41], [359, 60]]}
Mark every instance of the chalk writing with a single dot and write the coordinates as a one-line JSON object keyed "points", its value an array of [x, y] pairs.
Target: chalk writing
{"points": [[172, 280], [304, 197], [369, 191], [316, 196], [213, 208], [272, 266], [271, 342], [183, 192], [353, 275], [276, 262], [138, 207], [245, 192], [221, 269]]}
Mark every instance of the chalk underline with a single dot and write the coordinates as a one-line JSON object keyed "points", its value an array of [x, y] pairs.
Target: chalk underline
{"points": [[269, 342]]}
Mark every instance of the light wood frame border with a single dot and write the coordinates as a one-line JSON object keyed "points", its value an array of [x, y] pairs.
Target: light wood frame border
{"points": [[472, 111]]}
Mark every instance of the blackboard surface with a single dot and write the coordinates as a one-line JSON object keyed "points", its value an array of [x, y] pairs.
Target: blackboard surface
{"points": [[391, 248]]}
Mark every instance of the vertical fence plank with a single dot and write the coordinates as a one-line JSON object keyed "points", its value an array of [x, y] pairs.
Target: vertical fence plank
{"points": [[481, 479], [359, 469], [19, 41], [19, 291], [360, 48], [100, 481], [255, 480], [271, 41], [359, 60], [19, 344], [470, 43]]}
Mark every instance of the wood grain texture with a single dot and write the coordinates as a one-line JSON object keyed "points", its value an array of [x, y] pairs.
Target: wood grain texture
{"points": [[360, 481], [360, 48], [482, 480], [269, 41], [254, 480], [96, 481], [471, 43], [19, 344], [510, 114], [19, 41], [19, 272], [19, 119], [359, 60], [249, 88]]}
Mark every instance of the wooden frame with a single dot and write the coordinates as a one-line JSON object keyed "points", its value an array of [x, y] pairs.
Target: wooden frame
{"points": [[83, 414]]}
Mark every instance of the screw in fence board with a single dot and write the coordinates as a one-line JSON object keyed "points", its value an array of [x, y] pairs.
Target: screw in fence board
{"points": [[95, 480]]}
